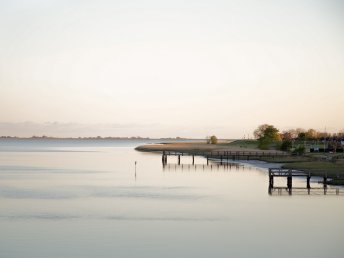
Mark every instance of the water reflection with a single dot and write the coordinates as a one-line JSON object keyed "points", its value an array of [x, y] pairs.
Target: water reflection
{"points": [[279, 191], [204, 167], [79, 192]]}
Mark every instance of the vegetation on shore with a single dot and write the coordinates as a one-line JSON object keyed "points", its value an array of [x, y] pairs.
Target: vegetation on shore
{"points": [[319, 153], [212, 140]]}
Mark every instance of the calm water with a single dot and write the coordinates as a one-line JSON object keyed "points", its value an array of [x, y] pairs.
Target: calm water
{"points": [[82, 199]]}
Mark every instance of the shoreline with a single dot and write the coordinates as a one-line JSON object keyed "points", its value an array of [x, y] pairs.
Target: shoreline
{"points": [[334, 172], [200, 148]]}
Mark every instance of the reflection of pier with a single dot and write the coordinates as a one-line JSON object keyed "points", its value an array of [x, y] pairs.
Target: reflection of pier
{"points": [[224, 155], [305, 191], [203, 167]]}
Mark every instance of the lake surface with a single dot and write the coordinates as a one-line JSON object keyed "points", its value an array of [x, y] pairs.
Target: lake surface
{"points": [[76, 198]]}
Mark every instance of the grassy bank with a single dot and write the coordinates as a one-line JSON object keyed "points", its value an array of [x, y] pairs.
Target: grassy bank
{"points": [[201, 147], [333, 169]]}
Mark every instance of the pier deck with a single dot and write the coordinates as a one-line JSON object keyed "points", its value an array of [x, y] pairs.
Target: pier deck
{"points": [[224, 155]]}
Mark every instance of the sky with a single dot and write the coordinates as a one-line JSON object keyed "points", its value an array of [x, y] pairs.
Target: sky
{"points": [[170, 68]]}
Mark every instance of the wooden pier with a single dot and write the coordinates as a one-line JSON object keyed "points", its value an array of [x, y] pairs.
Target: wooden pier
{"points": [[289, 174], [223, 155], [223, 160]]}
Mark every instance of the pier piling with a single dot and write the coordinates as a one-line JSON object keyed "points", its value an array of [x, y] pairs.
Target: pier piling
{"points": [[271, 181], [289, 181]]}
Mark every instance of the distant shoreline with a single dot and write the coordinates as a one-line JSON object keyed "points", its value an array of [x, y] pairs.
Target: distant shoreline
{"points": [[92, 138]]}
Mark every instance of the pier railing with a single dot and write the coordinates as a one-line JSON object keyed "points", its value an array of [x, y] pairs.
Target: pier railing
{"points": [[289, 174], [223, 155], [227, 153]]}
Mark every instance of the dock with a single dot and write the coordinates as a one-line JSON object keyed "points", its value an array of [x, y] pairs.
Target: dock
{"points": [[289, 174], [223, 155]]}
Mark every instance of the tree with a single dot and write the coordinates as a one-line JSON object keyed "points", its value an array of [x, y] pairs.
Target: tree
{"points": [[213, 139], [311, 134], [287, 135], [272, 133], [293, 133], [341, 133], [286, 145], [299, 130], [301, 136], [266, 135], [259, 132]]}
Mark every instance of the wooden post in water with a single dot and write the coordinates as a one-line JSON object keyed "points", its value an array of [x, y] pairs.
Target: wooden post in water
{"points": [[193, 159], [271, 180], [308, 181], [290, 181], [207, 160], [178, 159], [164, 158], [221, 159], [325, 180]]}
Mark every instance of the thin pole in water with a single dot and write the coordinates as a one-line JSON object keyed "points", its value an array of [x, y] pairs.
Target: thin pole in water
{"points": [[135, 169]]}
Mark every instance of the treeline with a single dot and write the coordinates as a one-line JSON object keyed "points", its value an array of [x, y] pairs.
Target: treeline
{"points": [[296, 140]]}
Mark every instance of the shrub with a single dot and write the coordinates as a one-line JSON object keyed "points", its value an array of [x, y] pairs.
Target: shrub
{"points": [[299, 150], [213, 139]]}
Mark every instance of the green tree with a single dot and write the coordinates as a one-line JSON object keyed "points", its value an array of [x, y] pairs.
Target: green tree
{"points": [[259, 132], [272, 133], [267, 135]]}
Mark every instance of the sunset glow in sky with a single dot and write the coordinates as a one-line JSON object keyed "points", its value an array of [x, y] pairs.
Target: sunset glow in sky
{"points": [[170, 68]]}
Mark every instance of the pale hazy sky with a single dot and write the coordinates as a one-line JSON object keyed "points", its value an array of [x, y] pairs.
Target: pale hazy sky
{"points": [[170, 68]]}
